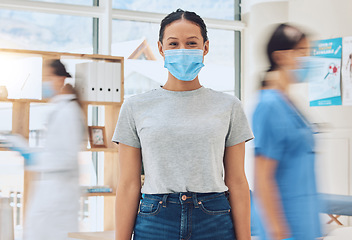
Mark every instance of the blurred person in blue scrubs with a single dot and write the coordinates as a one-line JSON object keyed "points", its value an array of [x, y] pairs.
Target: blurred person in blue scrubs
{"points": [[285, 180], [53, 202]]}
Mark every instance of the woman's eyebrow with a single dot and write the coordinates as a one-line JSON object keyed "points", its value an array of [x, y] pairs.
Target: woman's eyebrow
{"points": [[172, 38], [193, 37]]}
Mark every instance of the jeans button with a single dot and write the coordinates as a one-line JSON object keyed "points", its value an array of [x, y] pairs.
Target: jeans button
{"points": [[184, 197]]}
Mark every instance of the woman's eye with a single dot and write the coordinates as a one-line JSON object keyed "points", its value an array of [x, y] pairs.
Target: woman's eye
{"points": [[173, 44], [192, 43]]}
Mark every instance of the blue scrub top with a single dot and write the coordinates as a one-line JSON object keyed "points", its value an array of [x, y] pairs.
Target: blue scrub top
{"points": [[282, 134]]}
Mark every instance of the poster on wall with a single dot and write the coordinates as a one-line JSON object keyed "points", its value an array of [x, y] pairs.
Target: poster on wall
{"points": [[346, 71], [324, 82]]}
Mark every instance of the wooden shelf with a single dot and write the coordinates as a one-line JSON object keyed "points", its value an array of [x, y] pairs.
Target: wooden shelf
{"points": [[46, 101], [102, 103], [84, 150], [101, 150], [23, 100], [21, 109], [62, 54], [106, 235], [100, 194]]}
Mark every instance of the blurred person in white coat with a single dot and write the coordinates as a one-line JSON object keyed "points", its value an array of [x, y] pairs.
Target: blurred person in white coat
{"points": [[53, 202]]}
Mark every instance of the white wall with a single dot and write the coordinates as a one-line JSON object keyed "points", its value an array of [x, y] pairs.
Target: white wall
{"points": [[261, 17], [254, 59]]}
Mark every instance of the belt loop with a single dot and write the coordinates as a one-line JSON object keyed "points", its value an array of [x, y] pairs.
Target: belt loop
{"points": [[164, 199], [227, 195], [195, 201]]}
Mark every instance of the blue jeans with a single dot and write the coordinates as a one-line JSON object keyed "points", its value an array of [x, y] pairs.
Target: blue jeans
{"points": [[184, 216]]}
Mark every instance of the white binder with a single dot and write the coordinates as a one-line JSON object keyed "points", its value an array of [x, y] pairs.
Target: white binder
{"points": [[100, 81], [116, 82], [79, 81], [85, 81], [108, 88]]}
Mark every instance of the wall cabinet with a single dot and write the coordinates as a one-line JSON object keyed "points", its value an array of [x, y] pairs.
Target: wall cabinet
{"points": [[334, 165]]}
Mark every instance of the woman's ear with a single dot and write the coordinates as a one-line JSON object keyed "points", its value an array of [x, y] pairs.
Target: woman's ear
{"points": [[160, 48], [206, 47]]}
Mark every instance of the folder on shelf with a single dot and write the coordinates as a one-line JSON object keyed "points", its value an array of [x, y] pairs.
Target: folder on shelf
{"points": [[99, 190], [30, 77], [96, 189], [80, 80], [100, 81], [86, 81], [108, 81], [116, 82]]}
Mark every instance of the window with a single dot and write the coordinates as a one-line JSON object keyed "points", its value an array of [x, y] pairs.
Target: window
{"points": [[144, 66], [91, 174], [219, 70], [220, 9], [137, 43], [49, 32], [75, 2], [11, 184]]}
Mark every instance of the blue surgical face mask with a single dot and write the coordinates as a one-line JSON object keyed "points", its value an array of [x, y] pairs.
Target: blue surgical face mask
{"points": [[184, 64], [48, 90], [304, 67]]}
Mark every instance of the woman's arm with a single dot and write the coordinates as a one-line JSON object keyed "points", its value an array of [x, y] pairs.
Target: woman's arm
{"points": [[236, 181], [128, 191], [266, 191]]}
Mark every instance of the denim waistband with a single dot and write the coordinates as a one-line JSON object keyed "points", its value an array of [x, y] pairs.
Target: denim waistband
{"points": [[185, 197]]}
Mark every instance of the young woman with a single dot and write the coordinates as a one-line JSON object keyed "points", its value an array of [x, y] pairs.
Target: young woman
{"points": [[285, 187], [185, 135]]}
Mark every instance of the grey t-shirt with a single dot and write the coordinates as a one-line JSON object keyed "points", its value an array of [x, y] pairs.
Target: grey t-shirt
{"points": [[182, 136]]}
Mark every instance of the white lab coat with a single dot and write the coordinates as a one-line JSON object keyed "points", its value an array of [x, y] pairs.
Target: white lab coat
{"points": [[53, 203]]}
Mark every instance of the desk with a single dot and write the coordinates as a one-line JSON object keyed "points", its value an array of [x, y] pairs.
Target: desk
{"points": [[107, 235]]}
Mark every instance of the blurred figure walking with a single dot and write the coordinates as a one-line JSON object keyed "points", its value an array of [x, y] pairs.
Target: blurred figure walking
{"points": [[285, 184], [53, 203]]}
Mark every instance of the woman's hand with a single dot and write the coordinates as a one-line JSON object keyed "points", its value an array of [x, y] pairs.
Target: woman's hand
{"points": [[279, 231]]}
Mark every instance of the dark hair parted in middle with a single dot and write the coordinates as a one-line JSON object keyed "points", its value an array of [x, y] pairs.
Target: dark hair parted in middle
{"points": [[285, 37], [181, 14]]}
